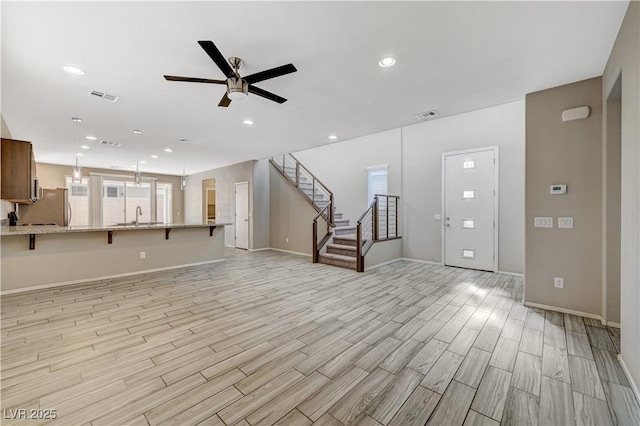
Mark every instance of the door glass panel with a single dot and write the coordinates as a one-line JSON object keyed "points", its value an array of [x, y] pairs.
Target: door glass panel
{"points": [[138, 196], [164, 202], [468, 223], [113, 201], [78, 198]]}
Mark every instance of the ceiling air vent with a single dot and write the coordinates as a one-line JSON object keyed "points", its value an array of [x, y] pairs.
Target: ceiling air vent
{"points": [[110, 143], [426, 115], [104, 96]]}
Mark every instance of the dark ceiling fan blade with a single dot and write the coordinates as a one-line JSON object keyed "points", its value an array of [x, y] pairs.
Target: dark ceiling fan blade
{"points": [[193, 79], [225, 101], [267, 95], [272, 73], [217, 57]]}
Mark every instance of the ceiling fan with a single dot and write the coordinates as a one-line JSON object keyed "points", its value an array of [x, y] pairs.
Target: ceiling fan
{"points": [[237, 87]]}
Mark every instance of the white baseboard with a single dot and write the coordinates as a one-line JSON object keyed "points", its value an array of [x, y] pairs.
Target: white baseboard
{"points": [[515, 274], [563, 310], [368, 268], [290, 252], [260, 249], [428, 262], [106, 277], [634, 385]]}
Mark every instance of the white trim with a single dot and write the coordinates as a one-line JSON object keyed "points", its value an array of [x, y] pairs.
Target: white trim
{"points": [[563, 310], [634, 385], [290, 252], [496, 203], [515, 274], [227, 245], [368, 268], [381, 166], [428, 262], [106, 277], [260, 249], [611, 323]]}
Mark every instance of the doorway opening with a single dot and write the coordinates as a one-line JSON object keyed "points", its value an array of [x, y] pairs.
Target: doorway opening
{"points": [[242, 215], [209, 200]]}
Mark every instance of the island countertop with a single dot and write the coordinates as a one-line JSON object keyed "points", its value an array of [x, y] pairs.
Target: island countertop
{"points": [[53, 229]]}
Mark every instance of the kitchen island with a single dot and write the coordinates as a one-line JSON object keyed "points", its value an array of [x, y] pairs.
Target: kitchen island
{"points": [[47, 256]]}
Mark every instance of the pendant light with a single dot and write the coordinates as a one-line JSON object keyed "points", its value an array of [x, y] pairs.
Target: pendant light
{"points": [[137, 176], [76, 177], [183, 178]]}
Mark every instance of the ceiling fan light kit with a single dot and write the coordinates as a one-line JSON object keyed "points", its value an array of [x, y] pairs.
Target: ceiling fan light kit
{"points": [[238, 88]]}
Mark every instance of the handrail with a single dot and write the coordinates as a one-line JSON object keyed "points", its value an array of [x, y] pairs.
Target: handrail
{"points": [[373, 211], [317, 187], [317, 246]]}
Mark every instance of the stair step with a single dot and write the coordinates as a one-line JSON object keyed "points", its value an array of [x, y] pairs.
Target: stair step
{"points": [[340, 222], [345, 240], [344, 250], [337, 215], [345, 230], [338, 260]]}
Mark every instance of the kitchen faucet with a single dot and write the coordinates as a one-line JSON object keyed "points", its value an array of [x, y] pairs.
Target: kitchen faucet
{"points": [[138, 213]]}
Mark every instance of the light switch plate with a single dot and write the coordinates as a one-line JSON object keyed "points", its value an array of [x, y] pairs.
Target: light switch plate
{"points": [[565, 222], [558, 282], [543, 222]]}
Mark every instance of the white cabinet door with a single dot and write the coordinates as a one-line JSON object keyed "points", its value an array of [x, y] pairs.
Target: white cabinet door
{"points": [[470, 207]]}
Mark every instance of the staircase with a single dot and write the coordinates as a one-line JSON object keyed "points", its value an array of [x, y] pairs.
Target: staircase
{"points": [[344, 248]]}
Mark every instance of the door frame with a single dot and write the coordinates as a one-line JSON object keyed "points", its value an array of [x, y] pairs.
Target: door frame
{"points": [[496, 199], [235, 214]]}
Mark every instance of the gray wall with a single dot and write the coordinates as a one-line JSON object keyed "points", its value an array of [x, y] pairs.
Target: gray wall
{"points": [[291, 216], [5, 206], [261, 212], [422, 148], [625, 61], [225, 197], [564, 153]]}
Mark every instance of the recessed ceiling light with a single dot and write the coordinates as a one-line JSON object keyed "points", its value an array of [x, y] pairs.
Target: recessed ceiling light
{"points": [[137, 132], [91, 138], [73, 70], [387, 62], [76, 120], [333, 137], [168, 150], [85, 147], [248, 122], [79, 154], [143, 162], [154, 156]]}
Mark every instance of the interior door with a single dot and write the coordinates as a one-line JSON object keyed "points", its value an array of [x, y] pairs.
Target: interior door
{"points": [[470, 209], [242, 215]]}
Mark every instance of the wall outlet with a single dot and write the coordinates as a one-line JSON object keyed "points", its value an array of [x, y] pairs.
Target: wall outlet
{"points": [[286, 240], [565, 222], [558, 282], [437, 217], [143, 255]]}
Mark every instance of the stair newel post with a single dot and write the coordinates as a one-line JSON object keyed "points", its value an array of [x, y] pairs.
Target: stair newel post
{"points": [[330, 215], [328, 218], [359, 259], [314, 241], [387, 218], [374, 219], [297, 174], [396, 222]]}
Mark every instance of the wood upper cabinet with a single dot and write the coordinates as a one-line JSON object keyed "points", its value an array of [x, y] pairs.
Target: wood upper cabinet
{"points": [[18, 172]]}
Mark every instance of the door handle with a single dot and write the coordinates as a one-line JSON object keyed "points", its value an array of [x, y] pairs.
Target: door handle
{"points": [[447, 225]]}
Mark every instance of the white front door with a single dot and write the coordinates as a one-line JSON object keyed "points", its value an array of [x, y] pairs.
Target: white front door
{"points": [[242, 215], [470, 209]]}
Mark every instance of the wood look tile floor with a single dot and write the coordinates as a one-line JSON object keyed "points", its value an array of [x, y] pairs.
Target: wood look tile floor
{"points": [[269, 338]]}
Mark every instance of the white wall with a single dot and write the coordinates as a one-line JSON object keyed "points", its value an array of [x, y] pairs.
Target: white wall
{"points": [[422, 148], [225, 197], [342, 167]]}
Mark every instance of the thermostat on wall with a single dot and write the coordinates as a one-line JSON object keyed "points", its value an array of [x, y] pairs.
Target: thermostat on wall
{"points": [[558, 189]]}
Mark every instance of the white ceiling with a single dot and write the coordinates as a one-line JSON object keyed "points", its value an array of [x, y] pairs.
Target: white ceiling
{"points": [[452, 57]]}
